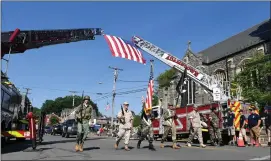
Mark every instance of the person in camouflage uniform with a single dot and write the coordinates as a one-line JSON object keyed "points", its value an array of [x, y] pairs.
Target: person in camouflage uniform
{"points": [[214, 131], [84, 112], [145, 130], [169, 124]]}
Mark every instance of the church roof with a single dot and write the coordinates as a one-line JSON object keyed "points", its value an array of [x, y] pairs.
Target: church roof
{"points": [[257, 34]]}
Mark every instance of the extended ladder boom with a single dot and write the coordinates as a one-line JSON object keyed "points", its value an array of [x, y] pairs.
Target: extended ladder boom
{"points": [[19, 41], [199, 77]]}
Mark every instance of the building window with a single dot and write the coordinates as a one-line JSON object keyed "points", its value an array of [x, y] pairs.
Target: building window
{"points": [[261, 49]]}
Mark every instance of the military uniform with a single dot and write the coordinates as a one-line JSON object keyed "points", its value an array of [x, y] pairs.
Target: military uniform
{"points": [[125, 127], [146, 130], [214, 130], [169, 124], [195, 128], [83, 114]]}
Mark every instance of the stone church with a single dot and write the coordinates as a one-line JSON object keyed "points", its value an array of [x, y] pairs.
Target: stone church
{"points": [[223, 60]]}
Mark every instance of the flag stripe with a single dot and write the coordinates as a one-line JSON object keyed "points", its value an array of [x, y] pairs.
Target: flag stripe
{"points": [[124, 49]]}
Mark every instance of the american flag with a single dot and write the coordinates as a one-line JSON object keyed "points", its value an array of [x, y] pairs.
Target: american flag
{"points": [[107, 106], [148, 103], [124, 49]]}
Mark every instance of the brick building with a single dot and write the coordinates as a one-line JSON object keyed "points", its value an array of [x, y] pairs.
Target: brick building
{"points": [[223, 60]]}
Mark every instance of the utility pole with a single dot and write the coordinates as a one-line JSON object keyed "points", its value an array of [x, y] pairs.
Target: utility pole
{"points": [[73, 94], [27, 91], [114, 93]]}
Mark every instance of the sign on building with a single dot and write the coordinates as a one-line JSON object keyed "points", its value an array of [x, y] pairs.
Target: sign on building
{"points": [[216, 94]]}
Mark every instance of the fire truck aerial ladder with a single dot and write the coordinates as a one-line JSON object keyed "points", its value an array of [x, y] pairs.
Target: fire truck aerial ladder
{"points": [[19, 41], [212, 85]]}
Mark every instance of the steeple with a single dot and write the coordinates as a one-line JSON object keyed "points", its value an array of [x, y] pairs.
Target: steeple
{"points": [[189, 45]]}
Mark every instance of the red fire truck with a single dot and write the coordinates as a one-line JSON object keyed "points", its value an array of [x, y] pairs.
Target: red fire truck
{"points": [[217, 89]]}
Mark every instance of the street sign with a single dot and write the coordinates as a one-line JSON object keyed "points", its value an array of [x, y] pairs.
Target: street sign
{"points": [[216, 94]]}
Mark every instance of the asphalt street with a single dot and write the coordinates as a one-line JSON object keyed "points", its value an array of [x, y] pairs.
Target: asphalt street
{"points": [[102, 148]]}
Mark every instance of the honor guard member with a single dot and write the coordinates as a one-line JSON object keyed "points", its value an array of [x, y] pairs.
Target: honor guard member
{"points": [[195, 127], [169, 124], [254, 122], [214, 131], [125, 117], [146, 130], [83, 114]]}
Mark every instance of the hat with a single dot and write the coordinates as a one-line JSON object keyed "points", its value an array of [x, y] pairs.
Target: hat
{"points": [[250, 109], [169, 104], [86, 98], [125, 103], [195, 106]]}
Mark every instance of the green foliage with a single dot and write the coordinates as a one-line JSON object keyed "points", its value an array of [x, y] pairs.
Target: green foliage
{"points": [[54, 120], [60, 103], [254, 80], [136, 121], [165, 78], [36, 112], [155, 100]]}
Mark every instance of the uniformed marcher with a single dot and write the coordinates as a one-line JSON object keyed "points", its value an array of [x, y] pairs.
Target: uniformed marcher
{"points": [[146, 130], [83, 114], [169, 124], [231, 127], [195, 127], [214, 131], [125, 117]]}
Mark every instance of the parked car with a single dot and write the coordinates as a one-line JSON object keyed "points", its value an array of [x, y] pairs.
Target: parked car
{"points": [[69, 128], [57, 129], [48, 130]]}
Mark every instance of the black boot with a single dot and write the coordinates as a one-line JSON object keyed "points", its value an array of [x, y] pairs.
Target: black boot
{"points": [[151, 147], [213, 144], [138, 144], [269, 143]]}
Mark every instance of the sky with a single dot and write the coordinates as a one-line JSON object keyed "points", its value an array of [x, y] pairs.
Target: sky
{"points": [[53, 71]]}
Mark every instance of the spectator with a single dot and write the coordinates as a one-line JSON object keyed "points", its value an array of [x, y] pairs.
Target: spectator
{"points": [[231, 128], [267, 121], [243, 126], [254, 122]]}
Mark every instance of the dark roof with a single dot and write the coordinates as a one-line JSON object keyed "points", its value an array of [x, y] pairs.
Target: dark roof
{"points": [[250, 37]]}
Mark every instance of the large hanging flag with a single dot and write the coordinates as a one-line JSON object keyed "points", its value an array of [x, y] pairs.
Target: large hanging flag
{"points": [[148, 104], [124, 49]]}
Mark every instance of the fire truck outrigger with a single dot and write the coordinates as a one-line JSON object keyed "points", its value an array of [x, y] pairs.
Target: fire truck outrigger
{"points": [[214, 87]]}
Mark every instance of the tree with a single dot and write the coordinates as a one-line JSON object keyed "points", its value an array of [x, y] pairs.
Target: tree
{"points": [[254, 79], [36, 112], [165, 78], [60, 103], [54, 120], [137, 120]]}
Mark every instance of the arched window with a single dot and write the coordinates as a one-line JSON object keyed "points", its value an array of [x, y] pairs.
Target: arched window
{"points": [[220, 75], [241, 65]]}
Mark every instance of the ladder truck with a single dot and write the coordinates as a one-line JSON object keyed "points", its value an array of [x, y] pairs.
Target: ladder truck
{"points": [[15, 42], [209, 83]]}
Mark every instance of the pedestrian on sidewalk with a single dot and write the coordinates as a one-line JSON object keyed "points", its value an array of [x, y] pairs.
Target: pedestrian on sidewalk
{"points": [[267, 121], [243, 126], [254, 122], [231, 128]]}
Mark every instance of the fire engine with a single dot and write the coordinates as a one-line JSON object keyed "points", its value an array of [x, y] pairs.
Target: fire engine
{"points": [[214, 87], [14, 105]]}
